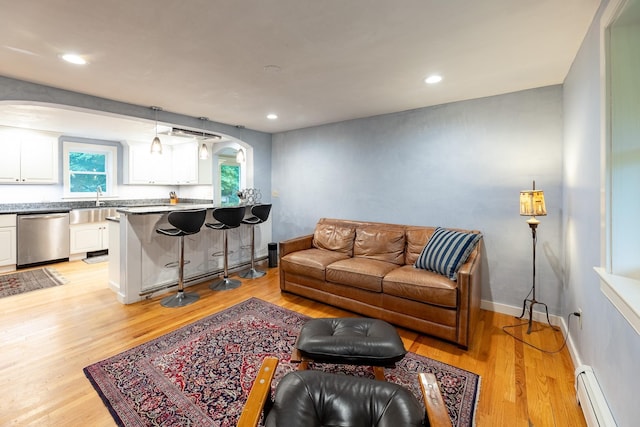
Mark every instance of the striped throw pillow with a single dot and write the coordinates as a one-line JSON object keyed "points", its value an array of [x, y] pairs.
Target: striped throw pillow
{"points": [[446, 251]]}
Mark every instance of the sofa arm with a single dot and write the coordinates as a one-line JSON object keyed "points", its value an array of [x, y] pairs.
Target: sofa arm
{"points": [[296, 244], [469, 292]]}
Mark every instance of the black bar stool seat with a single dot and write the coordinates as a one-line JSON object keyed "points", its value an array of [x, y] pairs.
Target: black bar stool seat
{"points": [[185, 223], [228, 218], [259, 214]]}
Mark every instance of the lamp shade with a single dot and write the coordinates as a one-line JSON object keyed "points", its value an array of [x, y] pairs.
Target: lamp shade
{"points": [[240, 156], [203, 153], [156, 146], [532, 203]]}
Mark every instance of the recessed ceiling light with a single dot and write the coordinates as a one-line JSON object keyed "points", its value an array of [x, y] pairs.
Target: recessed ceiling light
{"points": [[272, 116], [433, 79], [74, 59], [272, 68]]}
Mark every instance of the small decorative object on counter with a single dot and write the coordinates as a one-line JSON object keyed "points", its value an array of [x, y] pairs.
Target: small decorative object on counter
{"points": [[250, 196], [173, 198]]}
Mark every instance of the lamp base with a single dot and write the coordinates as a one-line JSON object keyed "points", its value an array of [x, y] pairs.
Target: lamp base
{"points": [[531, 303]]}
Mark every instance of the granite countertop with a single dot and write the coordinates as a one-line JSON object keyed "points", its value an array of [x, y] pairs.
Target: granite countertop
{"points": [[34, 211], [57, 207], [143, 210]]}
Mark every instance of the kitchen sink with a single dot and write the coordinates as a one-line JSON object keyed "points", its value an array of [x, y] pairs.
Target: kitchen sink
{"points": [[88, 215]]}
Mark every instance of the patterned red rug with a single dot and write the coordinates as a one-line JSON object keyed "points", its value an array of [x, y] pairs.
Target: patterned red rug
{"points": [[29, 280], [201, 374]]}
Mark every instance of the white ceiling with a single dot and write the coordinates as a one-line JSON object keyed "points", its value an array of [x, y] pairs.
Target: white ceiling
{"points": [[336, 59]]}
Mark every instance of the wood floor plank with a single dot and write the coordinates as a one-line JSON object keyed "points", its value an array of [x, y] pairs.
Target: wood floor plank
{"points": [[48, 336]]}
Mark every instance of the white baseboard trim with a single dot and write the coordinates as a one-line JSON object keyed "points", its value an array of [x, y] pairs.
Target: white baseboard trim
{"points": [[538, 316]]}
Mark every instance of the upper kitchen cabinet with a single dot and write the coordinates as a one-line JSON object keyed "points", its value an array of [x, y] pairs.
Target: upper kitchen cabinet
{"points": [[177, 165], [142, 167], [185, 163], [28, 157]]}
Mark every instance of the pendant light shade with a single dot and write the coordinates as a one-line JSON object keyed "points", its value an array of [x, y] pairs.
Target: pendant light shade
{"points": [[156, 145], [240, 156], [203, 151]]}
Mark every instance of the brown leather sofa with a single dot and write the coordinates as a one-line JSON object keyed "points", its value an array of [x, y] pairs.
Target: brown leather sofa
{"points": [[368, 268]]}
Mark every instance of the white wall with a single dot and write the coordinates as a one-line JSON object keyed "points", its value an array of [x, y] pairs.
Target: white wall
{"points": [[606, 341], [456, 165]]}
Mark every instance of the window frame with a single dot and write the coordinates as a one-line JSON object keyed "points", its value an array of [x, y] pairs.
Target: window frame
{"points": [[228, 161], [111, 167], [620, 288]]}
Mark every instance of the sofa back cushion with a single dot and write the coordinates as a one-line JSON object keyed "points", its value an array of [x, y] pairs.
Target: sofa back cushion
{"points": [[380, 243], [334, 237], [417, 238]]}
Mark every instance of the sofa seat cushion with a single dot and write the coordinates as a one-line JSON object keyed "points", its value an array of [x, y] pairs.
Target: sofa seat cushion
{"points": [[363, 273], [421, 285], [310, 262]]}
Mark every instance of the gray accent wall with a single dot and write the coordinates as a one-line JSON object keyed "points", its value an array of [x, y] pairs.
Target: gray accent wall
{"points": [[606, 341], [456, 165]]}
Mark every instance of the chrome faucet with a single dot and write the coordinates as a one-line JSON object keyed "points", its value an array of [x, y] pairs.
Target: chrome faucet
{"points": [[98, 194]]}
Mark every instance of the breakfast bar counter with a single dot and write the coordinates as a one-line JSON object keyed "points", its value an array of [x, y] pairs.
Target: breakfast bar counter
{"points": [[143, 263]]}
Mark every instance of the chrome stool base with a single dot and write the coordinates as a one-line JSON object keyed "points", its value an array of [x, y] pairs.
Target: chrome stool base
{"points": [[252, 274], [225, 284], [180, 299]]}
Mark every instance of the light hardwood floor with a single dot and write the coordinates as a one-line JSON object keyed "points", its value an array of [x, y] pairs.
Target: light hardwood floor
{"points": [[48, 336]]}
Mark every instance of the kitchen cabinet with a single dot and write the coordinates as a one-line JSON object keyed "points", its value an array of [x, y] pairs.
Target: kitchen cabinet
{"points": [[28, 158], [7, 242], [177, 165], [88, 237], [184, 158], [142, 167]]}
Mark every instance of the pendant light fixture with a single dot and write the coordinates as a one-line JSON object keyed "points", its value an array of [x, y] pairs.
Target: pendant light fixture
{"points": [[240, 156], [156, 145], [203, 152]]}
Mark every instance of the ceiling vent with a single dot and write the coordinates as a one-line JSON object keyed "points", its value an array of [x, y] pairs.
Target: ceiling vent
{"points": [[188, 133]]}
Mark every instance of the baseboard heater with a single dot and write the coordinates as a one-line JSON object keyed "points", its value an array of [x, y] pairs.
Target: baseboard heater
{"points": [[591, 399]]}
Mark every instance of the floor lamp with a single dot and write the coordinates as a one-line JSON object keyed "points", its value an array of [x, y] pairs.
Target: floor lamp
{"points": [[532, 204]]}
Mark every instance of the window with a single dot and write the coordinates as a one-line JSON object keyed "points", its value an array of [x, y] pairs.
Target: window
{"points": [[229, 182], [89, 168], [620, 276], [228, 175]]}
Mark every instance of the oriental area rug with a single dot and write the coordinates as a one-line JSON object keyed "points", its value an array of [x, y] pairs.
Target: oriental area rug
{"points": [[201, 374], [30, 280]]}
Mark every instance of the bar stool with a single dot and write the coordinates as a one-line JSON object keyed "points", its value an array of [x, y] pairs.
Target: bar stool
{"points": [[185, 222], [227, 218], [259, 214]]}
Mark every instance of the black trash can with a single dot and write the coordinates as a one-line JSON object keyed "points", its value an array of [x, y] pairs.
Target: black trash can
{"points": [[273, 254]]}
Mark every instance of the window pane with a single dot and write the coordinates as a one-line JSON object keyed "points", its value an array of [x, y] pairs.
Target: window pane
{"points": [[229, 184], [87, 162], [87, 183]]}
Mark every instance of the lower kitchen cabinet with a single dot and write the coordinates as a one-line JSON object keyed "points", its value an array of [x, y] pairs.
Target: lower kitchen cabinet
{"points": [[7, 241], [88, 237]]}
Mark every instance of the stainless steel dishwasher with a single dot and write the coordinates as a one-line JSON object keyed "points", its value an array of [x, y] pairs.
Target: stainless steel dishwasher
{"points": [[42, 237]]}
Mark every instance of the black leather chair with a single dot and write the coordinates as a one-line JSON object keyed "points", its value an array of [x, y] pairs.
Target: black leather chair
{"points": [[316, 398], [228, 218], [259, 214], [185, 223]]}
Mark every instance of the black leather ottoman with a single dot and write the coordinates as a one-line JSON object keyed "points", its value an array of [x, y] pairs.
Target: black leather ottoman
{"points": [[350, 340]]}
